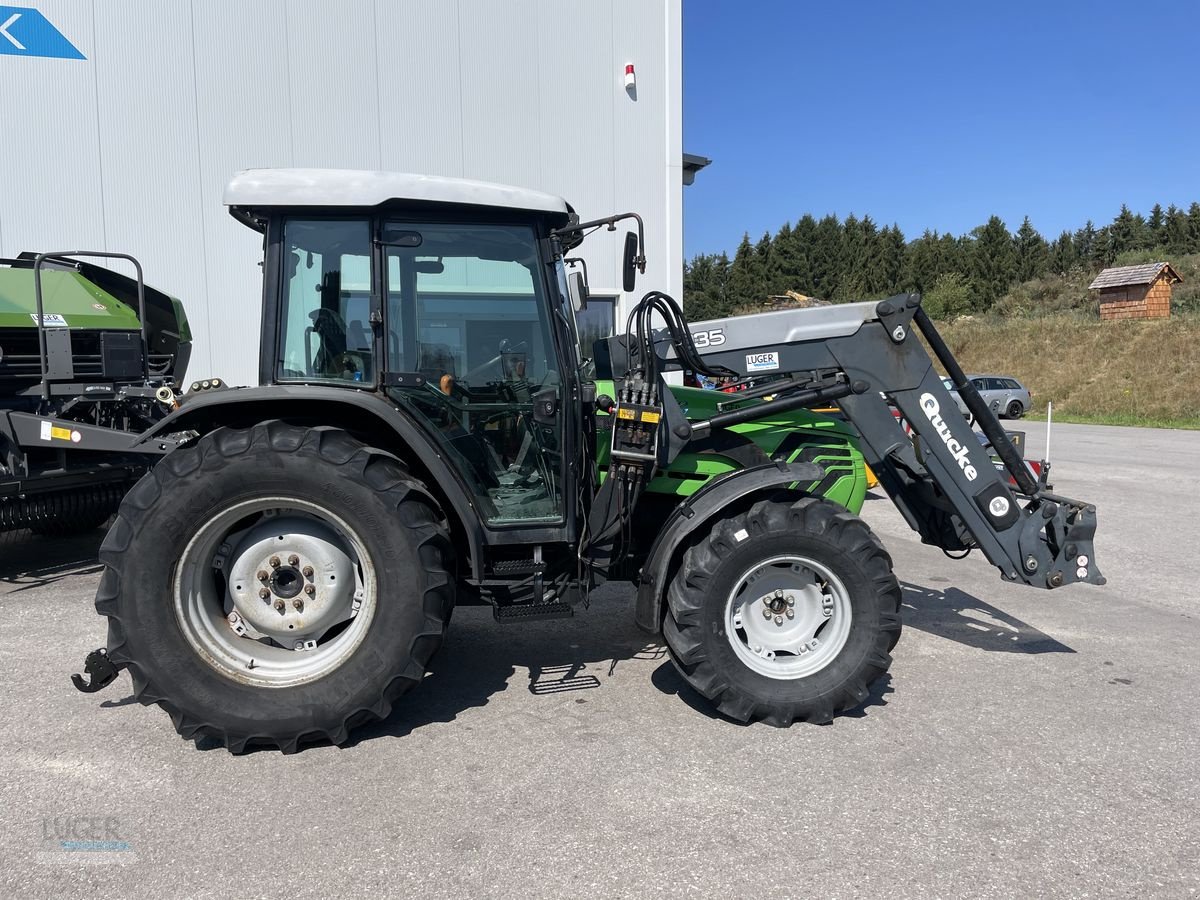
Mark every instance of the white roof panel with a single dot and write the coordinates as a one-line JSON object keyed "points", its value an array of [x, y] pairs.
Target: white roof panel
{"points": [[356, 187]]}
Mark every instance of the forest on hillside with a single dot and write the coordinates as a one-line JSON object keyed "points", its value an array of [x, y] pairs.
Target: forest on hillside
{"points": [[854, 259]]}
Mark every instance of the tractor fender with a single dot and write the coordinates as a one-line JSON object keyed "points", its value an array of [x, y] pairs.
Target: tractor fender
{"points": [[697, 511], [361, 412]]}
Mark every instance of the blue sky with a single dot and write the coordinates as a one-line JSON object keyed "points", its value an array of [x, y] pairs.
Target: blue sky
{"points": [[936, 115]]}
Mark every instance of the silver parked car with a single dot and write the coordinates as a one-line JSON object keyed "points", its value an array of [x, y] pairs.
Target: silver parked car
{"points": [[962, 406], [1006, 396]]}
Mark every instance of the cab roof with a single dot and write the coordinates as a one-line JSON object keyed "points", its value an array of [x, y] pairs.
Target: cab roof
{"points": [[255, 189]]}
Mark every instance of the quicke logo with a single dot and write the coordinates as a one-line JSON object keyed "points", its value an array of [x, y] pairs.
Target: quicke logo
{"points": [[933, 412]]}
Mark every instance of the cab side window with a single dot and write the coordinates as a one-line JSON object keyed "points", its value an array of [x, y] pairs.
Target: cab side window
{"points": [[324, 324]]}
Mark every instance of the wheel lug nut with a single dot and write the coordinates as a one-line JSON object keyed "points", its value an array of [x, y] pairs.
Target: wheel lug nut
{"points": [[308, 571], [310, 589], [778, 593], [280, 606], [791, 614], [766, 612], [779, 620], [274, 562], [293, 560], [298, 604], [265, 594], [791, 600], [262, 575]]}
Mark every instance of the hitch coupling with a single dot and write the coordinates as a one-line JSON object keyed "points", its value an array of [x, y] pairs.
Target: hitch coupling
{"points": [[100, 668]]}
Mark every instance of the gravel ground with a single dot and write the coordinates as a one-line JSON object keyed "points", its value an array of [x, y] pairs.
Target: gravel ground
{"points": [[1024, 744]]}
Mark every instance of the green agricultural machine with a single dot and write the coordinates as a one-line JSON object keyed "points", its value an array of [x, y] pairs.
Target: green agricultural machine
{"points": [[428, 432], [89, 359]]}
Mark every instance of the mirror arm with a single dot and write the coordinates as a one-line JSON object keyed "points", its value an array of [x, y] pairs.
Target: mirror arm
{"points": [[611, 222], [578, 261]]}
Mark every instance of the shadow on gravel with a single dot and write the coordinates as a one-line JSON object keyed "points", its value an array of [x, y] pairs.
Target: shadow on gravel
{"points": [[962, 617], [28, 560], [481, 657]]}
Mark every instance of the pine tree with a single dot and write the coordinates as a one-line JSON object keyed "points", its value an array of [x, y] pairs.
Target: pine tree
{"points": [[1122, 234], [703, 286], [852, 284], [1085, 242], [1103, 248], [1157, 226], [804, 238], [765, 267], [827, 258], [1177, 230], [745, 280], [874, 278], [1032, 252], [921, 263], [1193, 228], [891, 260], [1063, 257], [993, 262], [778, 280]]}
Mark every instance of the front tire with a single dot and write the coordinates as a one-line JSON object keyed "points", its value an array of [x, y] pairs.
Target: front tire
{"points": [[728, 626], [299, 655]]}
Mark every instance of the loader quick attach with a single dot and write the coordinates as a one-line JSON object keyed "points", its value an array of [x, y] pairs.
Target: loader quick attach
{"points": [[431, 430]]}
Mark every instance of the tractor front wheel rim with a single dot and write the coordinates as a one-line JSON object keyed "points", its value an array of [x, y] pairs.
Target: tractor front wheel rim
{"points": [[788, 617]]}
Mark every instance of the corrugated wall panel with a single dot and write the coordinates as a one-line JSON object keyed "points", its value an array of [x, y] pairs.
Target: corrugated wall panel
{"points": [[639, 138], [131, 148], [241, 126], [50, 192], [420, 88], [148, 146], [334, 89], [575, 103], [501, 68]]}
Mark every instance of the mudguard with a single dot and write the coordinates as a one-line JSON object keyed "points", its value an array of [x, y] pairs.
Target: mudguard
{"points": [[700, 509], [238, 406]]}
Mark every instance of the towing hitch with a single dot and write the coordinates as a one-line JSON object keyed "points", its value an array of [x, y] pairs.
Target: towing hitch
{"points": [[100, 668]]}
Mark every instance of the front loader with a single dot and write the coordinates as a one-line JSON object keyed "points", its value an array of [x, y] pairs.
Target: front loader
{"points": [[428, 432]]}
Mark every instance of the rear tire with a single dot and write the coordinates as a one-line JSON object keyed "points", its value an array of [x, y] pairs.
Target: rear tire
{"points": [[817, 555], [168, 590], [1015, 410]]}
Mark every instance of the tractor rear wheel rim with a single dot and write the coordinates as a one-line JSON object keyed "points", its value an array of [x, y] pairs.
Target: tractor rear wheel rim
{"points": [[788, 617], [275, 592]]}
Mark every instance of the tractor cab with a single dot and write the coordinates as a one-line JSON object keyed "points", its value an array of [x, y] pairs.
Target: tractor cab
{"points": [[445, 295]]}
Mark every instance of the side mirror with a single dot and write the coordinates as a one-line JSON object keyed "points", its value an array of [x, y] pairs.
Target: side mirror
{"points": [[629, 264], [577, 289]]}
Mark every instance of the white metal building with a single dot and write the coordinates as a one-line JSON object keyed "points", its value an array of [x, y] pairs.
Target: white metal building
{"points": [[127, 143]]}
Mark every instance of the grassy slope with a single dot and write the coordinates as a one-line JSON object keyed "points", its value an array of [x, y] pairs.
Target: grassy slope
{"points": [[1126, 373]]}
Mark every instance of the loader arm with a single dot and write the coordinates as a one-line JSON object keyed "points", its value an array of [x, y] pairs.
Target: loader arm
{"points": [[869, 358]]}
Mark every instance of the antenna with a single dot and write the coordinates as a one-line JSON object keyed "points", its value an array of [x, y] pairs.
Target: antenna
{"points": [[1049, 422]]}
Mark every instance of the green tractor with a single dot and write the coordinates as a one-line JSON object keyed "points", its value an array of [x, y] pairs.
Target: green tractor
{"points": [[428, 432], [89, 359]]}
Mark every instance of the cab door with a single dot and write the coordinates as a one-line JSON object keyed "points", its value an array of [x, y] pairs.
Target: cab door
{"points": [[469, 350]]}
